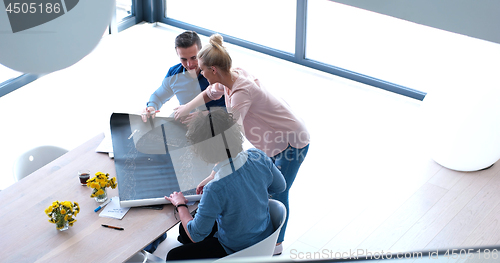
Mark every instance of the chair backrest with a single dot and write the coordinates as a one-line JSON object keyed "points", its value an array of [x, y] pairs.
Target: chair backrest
{"points": [[141, 257], [34, 159], [265, 247]]}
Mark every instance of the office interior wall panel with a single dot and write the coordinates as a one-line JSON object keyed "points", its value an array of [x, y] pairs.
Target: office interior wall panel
{"points": [[475, 18]]}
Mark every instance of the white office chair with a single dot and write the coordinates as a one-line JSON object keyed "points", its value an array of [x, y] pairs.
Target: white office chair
{"points": [[34, 159], [139, 257], [264, 248], [145, 257]]}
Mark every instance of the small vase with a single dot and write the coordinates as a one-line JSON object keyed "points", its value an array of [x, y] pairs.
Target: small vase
{"points": [[103, 197], [65, 226]]}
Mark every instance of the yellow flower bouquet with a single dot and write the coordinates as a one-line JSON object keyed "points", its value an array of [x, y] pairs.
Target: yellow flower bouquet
{"points": [[99, 183], [61, 213]]}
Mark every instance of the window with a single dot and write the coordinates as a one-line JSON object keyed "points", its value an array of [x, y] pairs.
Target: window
{"points": [[277, 28], [391, 49], [264, 22], [123, 9]]}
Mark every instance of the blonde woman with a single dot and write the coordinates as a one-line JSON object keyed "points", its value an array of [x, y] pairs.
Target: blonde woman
{"points": [[268, 123]]}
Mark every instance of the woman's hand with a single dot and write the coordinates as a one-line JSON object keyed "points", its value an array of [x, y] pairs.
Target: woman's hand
{"points": [[184, 110], [181, 111], [177, 198], [191, 116], [187, 119], [199, 188]]}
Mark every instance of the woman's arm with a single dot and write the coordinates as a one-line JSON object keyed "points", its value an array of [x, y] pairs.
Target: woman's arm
{"points": [[183, 110], [199, 188]]}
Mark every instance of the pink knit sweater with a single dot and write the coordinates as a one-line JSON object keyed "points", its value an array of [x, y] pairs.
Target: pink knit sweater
{"points": [[268, 122]]}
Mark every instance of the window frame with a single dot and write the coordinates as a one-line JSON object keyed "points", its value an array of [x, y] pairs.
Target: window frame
{"points": [[153, 11], [300, 48], [12, 84]]}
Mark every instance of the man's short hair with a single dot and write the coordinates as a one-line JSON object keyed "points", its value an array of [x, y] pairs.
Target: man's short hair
{"points": [[215, 137], [187, 39]]}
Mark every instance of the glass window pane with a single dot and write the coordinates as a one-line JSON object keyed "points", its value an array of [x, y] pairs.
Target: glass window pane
{"points": [[391, 49], [269, 23], [123, 9], [7, 73]]}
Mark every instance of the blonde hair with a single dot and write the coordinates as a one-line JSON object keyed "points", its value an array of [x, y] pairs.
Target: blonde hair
{"points": [[215, 54]]}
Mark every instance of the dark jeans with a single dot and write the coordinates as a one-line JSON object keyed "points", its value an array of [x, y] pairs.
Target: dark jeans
{"points": [[154, 245], [288, 162], [208, 248]]}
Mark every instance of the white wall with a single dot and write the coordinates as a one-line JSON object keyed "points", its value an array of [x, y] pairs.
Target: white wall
{"points": [[475, 18]]}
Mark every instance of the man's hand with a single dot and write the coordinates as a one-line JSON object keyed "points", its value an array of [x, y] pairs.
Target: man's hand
{"points": [[148, 112], [177, 198]]}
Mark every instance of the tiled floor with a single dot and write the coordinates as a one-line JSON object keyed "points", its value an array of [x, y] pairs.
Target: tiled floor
{"points": [[367, 183]]}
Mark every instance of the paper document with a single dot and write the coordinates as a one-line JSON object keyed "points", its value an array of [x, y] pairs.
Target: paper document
{"points": [[154, 159], [114, 210], [106, 145]]}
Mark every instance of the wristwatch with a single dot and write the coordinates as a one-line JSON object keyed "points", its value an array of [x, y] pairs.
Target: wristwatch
{"points": [[180, 205]]}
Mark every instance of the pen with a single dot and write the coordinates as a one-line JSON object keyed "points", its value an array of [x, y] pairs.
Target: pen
{"points": [[151, 112], [101, 206], [114, 227], [136, 130]]}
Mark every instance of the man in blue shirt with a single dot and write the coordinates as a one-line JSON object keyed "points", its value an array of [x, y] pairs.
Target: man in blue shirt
{"points": [[237, 197], [183, 80]]}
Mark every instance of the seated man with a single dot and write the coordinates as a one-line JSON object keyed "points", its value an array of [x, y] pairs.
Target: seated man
{"points": [[236, 199]]}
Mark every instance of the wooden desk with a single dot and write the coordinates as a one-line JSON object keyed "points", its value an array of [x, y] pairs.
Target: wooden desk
{"points": [[27, 236]]}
